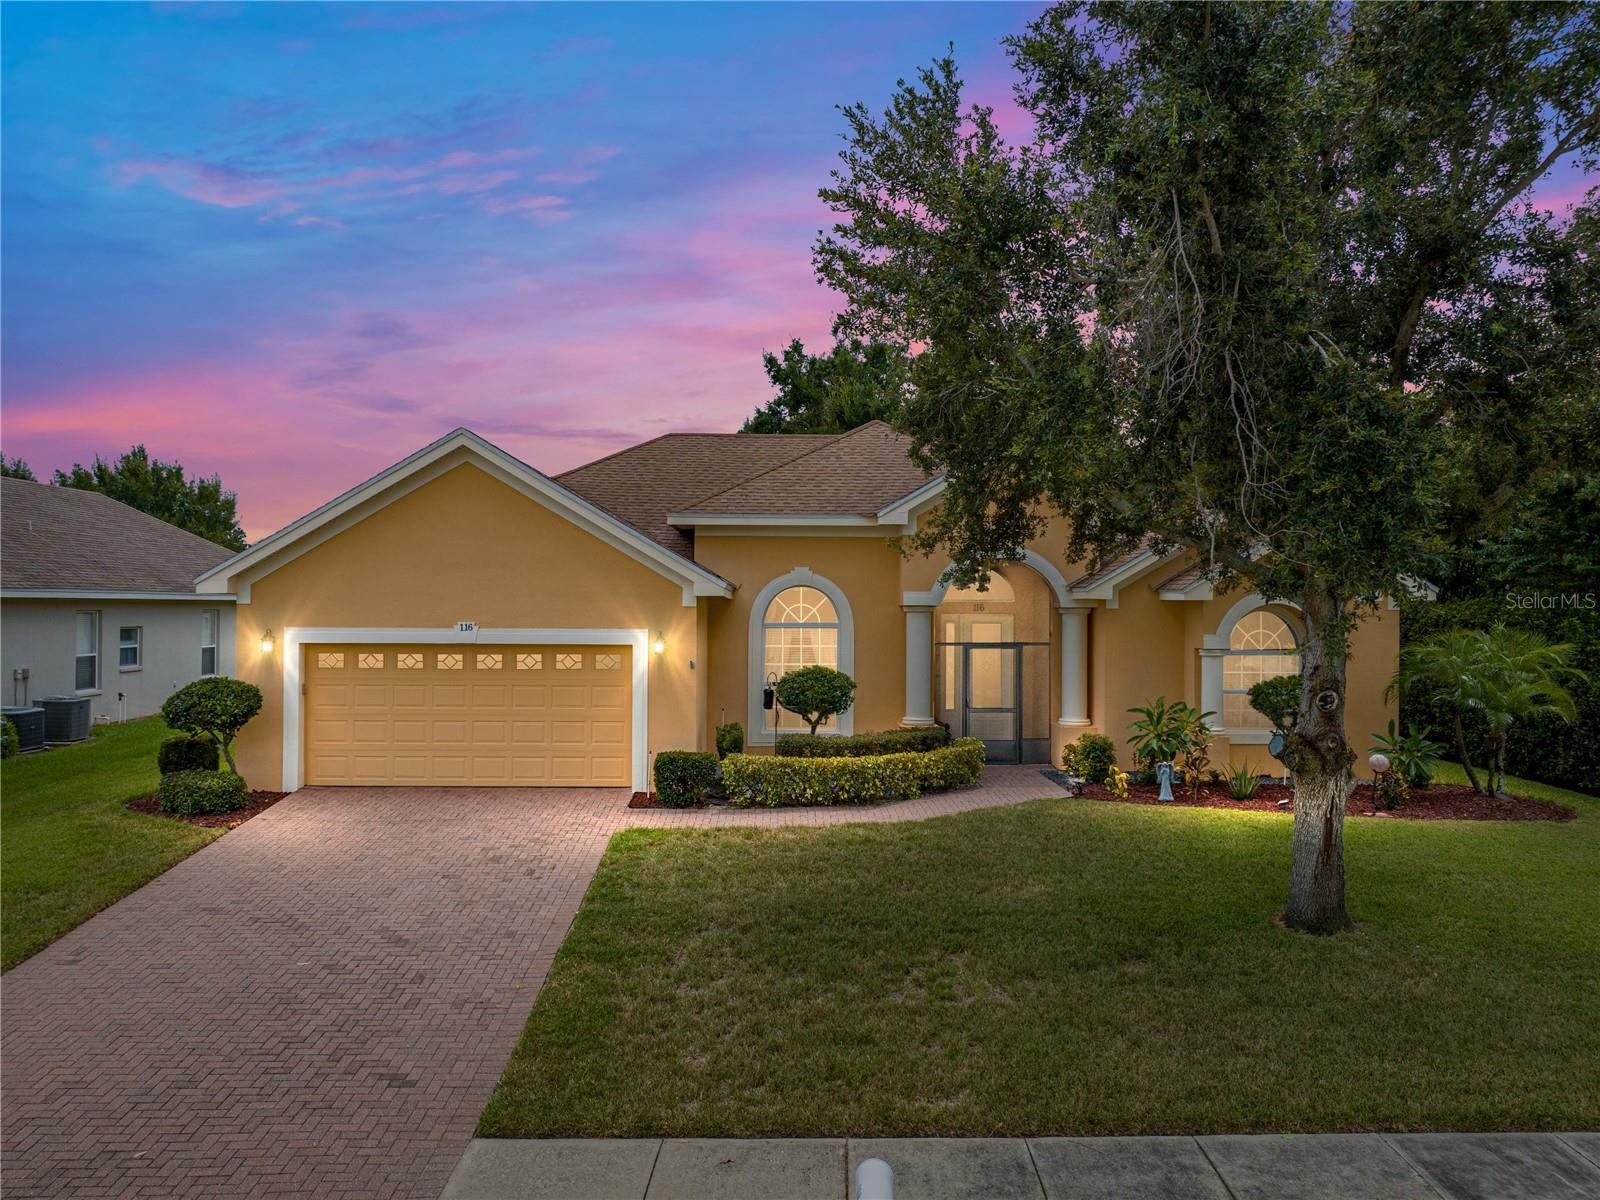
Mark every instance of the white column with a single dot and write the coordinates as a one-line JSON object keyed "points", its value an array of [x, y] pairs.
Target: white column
{"points": [[919, 665], [1211, 660], [1074, 666]]}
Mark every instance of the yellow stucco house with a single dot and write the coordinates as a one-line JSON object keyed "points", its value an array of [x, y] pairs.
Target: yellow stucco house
{"points": [[463, 619]]}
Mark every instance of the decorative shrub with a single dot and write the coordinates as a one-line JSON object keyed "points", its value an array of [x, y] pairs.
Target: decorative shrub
{"points": [[1164, 732], [857, 745], [216, 707], [201, 793], [1117, 782], [10, 742], [730, 739], [185, 752], [1413, 754], [1243, 782], [1276, 699], [1389, 791], [755, 781], [1091, 757], [682, 777], [816, 693]]}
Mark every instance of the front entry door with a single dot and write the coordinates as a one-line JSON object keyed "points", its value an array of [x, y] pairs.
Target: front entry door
{"points": [[992, 696]]}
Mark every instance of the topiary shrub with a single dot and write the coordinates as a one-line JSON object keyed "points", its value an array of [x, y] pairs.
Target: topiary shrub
{"points": [[10, 742], [816, 693], [753, 781], [730, 739], [202, 793], [216, 708], [857, 745], [682, 777], [1091, 757], [185, 752], [1277, 699]]}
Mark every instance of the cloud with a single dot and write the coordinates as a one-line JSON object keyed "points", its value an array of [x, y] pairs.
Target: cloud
{"points": [[204, 182]]}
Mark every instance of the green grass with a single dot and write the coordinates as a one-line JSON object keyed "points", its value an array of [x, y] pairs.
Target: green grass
{"points": [[68, 847], [1068, 967]]}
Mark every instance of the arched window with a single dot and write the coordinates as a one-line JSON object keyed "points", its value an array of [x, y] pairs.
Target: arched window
{"points": [[1260, 646], [800, 628]]}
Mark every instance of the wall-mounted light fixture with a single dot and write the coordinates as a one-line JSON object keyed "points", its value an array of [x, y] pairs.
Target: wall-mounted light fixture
{"points": [[659, 646], [268, 642]]}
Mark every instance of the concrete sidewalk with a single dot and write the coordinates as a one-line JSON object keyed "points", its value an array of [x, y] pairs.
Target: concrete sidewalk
{"points": [[1331, 1166]]}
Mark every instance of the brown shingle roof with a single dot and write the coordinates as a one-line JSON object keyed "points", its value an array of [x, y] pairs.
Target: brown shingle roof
{"points": [[1184, 579], [1108, 568], [767, 473], [66, 539], [858, 472]]}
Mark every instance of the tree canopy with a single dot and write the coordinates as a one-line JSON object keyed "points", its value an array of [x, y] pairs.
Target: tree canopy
{"points": [[852, 384], [15, 468], [1264, 286], [200, 505]]}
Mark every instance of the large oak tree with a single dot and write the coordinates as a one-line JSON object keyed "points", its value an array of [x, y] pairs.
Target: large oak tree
{"points": [[1255, 288]]}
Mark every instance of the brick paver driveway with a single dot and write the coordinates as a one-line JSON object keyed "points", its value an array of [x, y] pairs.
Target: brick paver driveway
{"points": [[319, 1002]]}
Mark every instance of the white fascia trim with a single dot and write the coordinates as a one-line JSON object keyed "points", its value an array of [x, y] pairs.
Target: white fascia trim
{"points": [[295, 638], [696, 580], [906, 509], [755, 734], [88, 594], [1108, 588], [1200, 589]]}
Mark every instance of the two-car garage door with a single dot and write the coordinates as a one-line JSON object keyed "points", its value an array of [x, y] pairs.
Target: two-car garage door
{"points": [[469, 715]]}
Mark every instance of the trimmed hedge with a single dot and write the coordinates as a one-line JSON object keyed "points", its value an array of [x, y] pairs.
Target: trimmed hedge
{"points": [[186, 752], [730, 739], [753, 781], [859, 745], [10, 740], [198, 793], [1090, 758], [682, 777]]}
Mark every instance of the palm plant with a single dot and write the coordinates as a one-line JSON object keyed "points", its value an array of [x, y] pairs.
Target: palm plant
{"points": [[1500, 676], [1165, 731]]}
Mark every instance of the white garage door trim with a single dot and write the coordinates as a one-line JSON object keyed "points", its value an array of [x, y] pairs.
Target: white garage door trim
{"points": [[296, 637]]}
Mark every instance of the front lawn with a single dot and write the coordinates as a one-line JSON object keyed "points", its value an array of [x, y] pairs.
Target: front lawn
{"points": [[68, 846], [1069, 967]]}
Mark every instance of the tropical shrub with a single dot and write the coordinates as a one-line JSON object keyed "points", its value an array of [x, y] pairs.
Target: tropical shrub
{"points": [[10, 742], [202, 793], [1091, 757], [682, 777], [760, 781], [1243, 782], [1414, 754], [857, 745], [1117, 782], [216, 707], [816, 693], [1166, 731], [1499, 676], [186, 752], [730, 739], [1389, 791]]}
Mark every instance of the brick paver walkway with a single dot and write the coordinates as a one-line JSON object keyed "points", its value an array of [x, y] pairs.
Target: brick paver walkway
{"points": [[319, 1002]]}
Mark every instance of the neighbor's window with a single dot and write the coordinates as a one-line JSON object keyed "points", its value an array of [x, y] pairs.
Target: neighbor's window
{"points": [[130, 645], [209, 620], [799, 629], [86, 664], [1261, 646]]}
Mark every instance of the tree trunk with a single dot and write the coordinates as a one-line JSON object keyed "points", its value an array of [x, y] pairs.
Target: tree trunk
{"points": [[227, 754], [1461, 752], [1320, 757]]}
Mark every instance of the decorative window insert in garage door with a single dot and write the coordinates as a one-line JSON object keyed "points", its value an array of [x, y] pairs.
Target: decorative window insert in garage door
{"points": [[464, 716]]}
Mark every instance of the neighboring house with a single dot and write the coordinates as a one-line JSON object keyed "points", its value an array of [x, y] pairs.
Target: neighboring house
{"points": [[97, 599], [462, 618]]}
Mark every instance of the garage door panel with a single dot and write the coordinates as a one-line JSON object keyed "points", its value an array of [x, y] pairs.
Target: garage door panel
{"points": [[423, 715]]}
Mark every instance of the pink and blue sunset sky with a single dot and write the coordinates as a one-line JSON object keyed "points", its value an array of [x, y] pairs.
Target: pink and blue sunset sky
{"points": [[292, 243]]}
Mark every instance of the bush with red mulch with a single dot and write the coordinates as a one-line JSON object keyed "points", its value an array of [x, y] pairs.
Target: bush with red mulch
{"points": [[259, 803], [1436, 802]]}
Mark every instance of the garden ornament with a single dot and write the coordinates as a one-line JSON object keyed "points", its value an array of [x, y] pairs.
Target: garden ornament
{"points": [[1164, 778], [1379, 763]]}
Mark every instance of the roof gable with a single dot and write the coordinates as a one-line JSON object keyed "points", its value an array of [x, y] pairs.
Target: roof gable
{"points": [[59, 539], [452, 450]]}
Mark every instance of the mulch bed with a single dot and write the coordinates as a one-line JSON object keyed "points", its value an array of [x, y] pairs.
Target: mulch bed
{"points": [[259, 803], [644, 800], [1436, 802]]}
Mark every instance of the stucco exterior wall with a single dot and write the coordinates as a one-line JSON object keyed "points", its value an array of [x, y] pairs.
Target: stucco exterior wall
{"points": [[41, 635], [466, 547], [868, 572]]}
